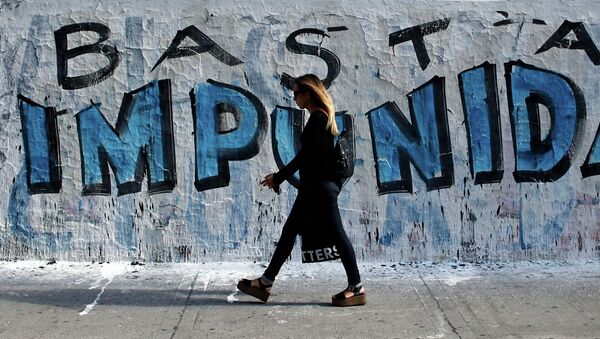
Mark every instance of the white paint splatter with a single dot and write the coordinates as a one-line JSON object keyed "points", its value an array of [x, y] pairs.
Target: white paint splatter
{"points": [[452, 281], [90, 307], [231, 298], [108, 272], [207, 281]]}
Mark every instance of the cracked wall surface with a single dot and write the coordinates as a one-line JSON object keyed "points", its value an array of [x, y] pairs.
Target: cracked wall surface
{"points": [[141, 131]]}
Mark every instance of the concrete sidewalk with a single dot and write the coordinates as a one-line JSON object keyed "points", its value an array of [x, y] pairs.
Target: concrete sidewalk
{"points": [[116, 300]]}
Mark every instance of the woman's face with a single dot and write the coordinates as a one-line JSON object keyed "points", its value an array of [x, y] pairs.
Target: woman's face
{"points": [[300, 97]]}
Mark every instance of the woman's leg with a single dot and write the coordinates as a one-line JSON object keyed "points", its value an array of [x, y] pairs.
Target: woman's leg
{"points": [[298, 216], [331, 217]]}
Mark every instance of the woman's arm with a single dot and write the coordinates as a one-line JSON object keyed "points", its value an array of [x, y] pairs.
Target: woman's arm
{"points": [[313, 138], [288, 169]]}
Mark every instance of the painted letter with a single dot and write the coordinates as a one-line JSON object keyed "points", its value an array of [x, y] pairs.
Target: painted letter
{"points": [[332, 61], [288, 124], [425, 143], [543, 158], [42, 147], [584, 41], [416, 34], [591, 166], [205, 44], [142, 142], [479, 93], [216, 146], [63, 54]]}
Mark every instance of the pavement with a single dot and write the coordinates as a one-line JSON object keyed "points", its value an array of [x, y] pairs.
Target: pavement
{"points": [[405, 300]]}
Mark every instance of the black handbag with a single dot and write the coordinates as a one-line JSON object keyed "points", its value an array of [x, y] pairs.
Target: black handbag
{"points": [[343, 154]]}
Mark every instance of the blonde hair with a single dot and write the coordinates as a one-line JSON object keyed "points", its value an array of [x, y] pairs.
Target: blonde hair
{"points": [[311, 84]]}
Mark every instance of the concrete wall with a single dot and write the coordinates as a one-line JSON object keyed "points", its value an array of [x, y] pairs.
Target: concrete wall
{"points": [[475, 126]]}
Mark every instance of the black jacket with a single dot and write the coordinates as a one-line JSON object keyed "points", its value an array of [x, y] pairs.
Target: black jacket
{"points": [[315, 158]]}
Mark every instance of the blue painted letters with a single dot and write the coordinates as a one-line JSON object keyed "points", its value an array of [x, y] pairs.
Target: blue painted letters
{"points": [[479, 94], [425, 143], [216, 141], [142, 142], [546, 159], [42, 149]]}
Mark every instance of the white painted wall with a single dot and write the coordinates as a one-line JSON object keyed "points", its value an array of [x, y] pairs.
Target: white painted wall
{"points": [[508, 220]]}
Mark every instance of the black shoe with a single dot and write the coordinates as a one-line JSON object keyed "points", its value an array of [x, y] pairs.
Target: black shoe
{"points": [[262, 292], [358, 298]]}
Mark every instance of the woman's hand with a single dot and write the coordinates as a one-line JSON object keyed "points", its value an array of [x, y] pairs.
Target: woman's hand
{"points": [[268, 181]]}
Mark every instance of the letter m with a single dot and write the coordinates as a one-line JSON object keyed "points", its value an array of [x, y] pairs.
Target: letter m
{"points": [[140, 144]]}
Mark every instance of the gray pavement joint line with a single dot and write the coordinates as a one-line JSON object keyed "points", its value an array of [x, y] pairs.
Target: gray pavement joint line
{"points": [[440, 307], [440, 330], [510, 288], [196, 319], [498, 317], [582, 313], [574, 308], [461, 304], [187, 302]]}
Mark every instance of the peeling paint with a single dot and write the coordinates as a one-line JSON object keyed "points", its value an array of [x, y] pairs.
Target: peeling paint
{"points": [[475, 124]]}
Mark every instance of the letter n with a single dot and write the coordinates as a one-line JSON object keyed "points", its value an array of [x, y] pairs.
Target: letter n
{"points": [[591, 166], [425, 143]]}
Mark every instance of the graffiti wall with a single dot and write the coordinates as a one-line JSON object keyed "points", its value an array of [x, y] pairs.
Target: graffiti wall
{"points": [[141, 131]]}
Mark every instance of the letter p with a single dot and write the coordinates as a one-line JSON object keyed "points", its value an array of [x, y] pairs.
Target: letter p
{"points": [[230, 123]]}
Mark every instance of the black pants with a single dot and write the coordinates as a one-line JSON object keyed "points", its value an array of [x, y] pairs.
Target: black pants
{"points": [[318, 202]]}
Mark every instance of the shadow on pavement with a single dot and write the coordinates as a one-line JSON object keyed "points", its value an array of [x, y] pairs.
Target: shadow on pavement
{"points": [[77, 298]]}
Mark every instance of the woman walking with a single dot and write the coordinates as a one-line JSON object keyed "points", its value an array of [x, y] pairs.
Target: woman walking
{"points": [[317, 195]]}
